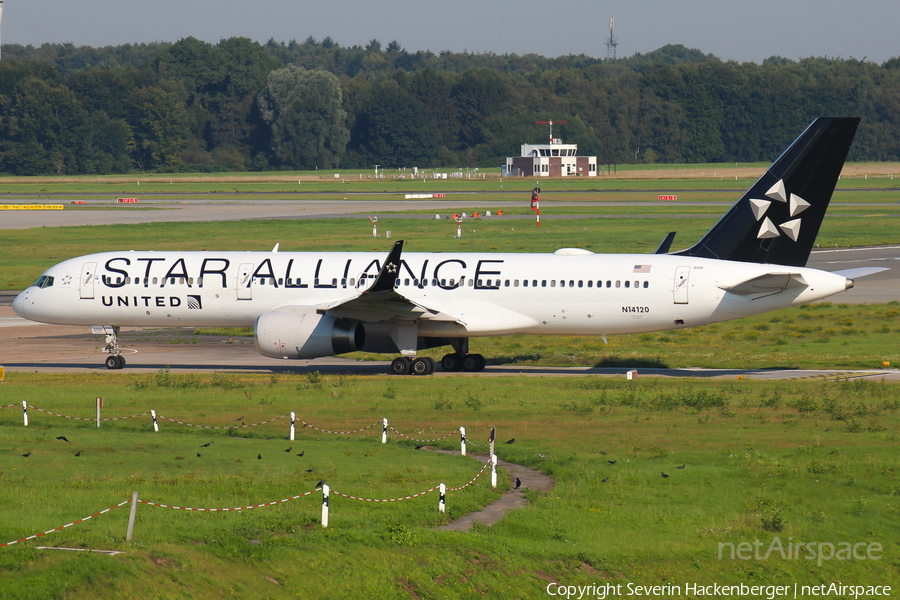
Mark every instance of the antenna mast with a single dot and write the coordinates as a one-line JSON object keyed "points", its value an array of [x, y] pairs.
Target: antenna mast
{"points": [[611, 42]]}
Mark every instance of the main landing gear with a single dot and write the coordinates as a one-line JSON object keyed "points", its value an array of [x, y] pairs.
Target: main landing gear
{"points": [[115, 360], [418, 366], [460, 360]]}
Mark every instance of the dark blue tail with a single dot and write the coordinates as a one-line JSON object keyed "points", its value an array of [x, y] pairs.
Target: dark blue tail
{"points": [[777, 220]]}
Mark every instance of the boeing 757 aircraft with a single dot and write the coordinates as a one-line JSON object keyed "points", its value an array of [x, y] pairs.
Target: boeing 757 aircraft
{"points": [[305, 305]]}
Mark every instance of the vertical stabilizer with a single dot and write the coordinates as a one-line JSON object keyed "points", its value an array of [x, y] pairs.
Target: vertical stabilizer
{"points": [[777, 220]]}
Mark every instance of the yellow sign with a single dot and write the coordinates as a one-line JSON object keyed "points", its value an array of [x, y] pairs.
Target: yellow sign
{"points": [[1, 374], [31, 206]]}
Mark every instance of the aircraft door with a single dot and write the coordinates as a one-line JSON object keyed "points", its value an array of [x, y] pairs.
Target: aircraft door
{"points": [[86, 283], [245, 274], [682, 275]]}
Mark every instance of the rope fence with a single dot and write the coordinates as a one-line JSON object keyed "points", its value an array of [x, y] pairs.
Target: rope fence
{"points": [[156, 417], [325, 489]]}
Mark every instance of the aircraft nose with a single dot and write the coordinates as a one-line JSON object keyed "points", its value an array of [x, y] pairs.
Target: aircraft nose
{"points": [[18, 304]]}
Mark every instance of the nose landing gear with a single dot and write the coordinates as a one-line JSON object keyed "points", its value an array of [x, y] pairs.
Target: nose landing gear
{"points": [[115, 360]]}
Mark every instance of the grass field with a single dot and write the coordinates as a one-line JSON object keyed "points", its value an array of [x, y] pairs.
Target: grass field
{"points": [[799, 461], [811, 461]]}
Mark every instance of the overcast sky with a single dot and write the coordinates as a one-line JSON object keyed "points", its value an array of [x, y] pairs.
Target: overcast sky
{"points": [[749, 30]]}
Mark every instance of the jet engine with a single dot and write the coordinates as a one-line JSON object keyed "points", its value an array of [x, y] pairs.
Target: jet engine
{"points": [[303, 333]]}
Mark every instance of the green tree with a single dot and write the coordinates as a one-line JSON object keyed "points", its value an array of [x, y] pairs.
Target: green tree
{"points": [[307, 123]]}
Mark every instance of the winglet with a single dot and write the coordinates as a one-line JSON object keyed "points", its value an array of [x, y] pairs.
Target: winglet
{"points": [[387, 276], [666, 243]]}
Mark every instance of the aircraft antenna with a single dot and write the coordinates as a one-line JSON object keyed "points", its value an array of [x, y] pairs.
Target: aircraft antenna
{"points": [[611, 42]]}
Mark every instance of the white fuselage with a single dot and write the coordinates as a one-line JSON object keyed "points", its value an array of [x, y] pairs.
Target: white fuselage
{"points": [[482, 294]]}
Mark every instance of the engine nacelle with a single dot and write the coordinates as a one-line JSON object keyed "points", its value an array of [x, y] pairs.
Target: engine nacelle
{"points": [[303, 333]]}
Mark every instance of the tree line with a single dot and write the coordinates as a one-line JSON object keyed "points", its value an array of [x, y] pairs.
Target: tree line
{"points": [[239, 105]]}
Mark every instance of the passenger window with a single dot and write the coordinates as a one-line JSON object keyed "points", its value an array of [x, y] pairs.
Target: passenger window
{"points": [[646, 284], [406, 282], [452, 282], [608, 283], [443, 282], [525, 283], [515, 283], [471, 283], [534, 283], [590, 283], [627, 284], [506, 283], [553, 283], [334, 282], [637, 284], [618, 284], [580, 283], [543, 283], [155, 281], [280, 281], [262, 281], [571, 283]]}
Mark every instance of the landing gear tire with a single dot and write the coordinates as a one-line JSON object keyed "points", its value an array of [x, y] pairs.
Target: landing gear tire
{"points": [[400, 366], [432, 365], [422, 366], [452, 363], [121, 360], [473, 363], [115, 362]]}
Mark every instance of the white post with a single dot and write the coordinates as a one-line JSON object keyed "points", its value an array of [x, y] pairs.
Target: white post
{"points": [[462, 440], [134, 503], [325, 490], [384, 426], [442, 501], [99, 404], [155, 425], [25, 411], [493, 470], [292, 425], [493, 436]]}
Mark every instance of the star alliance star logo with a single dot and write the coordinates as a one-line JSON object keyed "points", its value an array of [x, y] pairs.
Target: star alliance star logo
{"points": [[790, 228], [67, 280], [391, 268]]}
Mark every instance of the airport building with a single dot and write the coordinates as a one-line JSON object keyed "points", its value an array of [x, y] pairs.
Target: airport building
{"points": [[550, 160]]}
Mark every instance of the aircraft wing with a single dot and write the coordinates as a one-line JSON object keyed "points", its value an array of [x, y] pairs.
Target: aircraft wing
{"points": [[381, 302], [770, 283]]}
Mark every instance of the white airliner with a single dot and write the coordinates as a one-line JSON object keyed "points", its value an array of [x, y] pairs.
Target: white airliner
{"points": [[304, 305]]}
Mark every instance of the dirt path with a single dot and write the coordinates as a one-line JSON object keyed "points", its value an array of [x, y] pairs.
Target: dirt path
{"points": [[513, 498]]}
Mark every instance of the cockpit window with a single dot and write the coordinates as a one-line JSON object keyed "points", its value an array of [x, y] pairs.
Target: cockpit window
{"points": [[44, 281]]}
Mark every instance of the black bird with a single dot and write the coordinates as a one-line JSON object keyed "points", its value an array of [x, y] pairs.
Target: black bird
{"points": [[311, 470], [665, 476], [240, 419], [419, 447], [78, 453], [304, 426], [612, 462], [198, 455], [603, 453], [206, 445], [605, 480], [27, 454], [511, 441], [63, 438], [301, 453], [289, 449], [682, 466], [259, 457], [518, 483], [321, 483]]}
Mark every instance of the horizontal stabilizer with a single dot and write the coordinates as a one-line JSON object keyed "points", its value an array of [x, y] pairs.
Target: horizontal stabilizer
{"points": [[770, 283], [860, 272]]}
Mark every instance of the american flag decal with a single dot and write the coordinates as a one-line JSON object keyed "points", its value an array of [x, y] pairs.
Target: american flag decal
{"points": [[641, 268], [193, 302]]}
